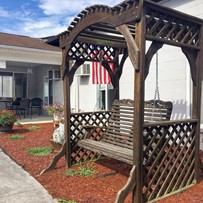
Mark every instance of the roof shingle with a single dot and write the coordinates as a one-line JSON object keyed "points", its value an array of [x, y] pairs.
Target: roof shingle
{"points": [[24, 41]]}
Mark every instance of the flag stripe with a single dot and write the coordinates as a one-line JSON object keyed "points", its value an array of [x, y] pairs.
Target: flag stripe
{"points": [[105, 73], [96, 73], [99, 74], [93, 72]]}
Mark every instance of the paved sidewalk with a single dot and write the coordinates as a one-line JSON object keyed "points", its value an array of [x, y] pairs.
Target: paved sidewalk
{"points": [[17, 186]]}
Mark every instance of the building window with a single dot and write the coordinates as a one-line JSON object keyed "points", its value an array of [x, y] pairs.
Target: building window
{"points": [[6, 84]]}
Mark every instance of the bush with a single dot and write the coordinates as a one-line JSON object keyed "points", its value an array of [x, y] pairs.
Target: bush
{"points": [[33, 128], [87, 170], [40, 151], [16, 137], [7, 117]]}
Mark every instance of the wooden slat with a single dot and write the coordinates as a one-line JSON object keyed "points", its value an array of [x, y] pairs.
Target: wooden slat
{"points": [[119, 132], [108, 150]]}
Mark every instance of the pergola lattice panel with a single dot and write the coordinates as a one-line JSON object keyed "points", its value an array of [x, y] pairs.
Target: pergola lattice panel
{"points": [[91, 52], [160, 25], [77, 131], [168, 158]]}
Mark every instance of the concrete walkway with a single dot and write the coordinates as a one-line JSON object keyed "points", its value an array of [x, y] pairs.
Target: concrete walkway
{"points": [[36, 119], [17, 186]]}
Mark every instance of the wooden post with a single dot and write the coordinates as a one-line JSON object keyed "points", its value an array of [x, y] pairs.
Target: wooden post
{"points": [[139, 110], [116, 76], [196, 107], [66, 88]]}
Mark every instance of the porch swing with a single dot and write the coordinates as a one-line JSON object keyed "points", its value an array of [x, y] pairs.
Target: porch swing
{"points": [[117, 139]]}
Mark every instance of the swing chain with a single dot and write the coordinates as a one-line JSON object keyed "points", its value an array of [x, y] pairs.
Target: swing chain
{"points": [[156, 93]]}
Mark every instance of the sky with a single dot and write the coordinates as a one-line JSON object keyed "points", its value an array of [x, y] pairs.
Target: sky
{"points": [[42, 18]]}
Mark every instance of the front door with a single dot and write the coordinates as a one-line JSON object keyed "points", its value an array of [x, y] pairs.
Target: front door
{"points": [[20, 85]]}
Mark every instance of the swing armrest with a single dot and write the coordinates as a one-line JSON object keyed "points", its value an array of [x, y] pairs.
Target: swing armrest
{"points": [[90, 128]]}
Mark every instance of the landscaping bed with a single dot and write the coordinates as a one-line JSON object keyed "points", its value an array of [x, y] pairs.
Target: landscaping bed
{"points": [[101, 187]]}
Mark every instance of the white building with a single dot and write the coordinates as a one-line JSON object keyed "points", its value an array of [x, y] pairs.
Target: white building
{"points": [[26, 67]]}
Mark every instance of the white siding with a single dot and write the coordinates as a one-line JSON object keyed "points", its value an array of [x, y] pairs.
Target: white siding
{"points": [[174, 73], [83, 94]]}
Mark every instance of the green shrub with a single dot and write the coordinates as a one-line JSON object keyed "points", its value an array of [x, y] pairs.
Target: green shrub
{"points": [[40, 151], [16, 137], [66, 201], [33, 127], [71, 172], [87, 170]]}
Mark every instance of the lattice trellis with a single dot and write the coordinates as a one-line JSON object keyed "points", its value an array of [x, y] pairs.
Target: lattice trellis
{"points": [[77, 121], [91, 52], [162, 26], [169, 151], [169, 157]]}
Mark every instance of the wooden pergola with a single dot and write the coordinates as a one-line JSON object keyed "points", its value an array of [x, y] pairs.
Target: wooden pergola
{"points": [[122, 31]]}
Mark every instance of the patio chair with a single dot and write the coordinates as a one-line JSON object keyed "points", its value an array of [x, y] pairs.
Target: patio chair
{"points": [[24, 107], [16, 103], [36, 103], [9, 103]]}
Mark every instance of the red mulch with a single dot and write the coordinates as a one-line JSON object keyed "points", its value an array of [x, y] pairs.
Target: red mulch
{"points": [[100, 188]]}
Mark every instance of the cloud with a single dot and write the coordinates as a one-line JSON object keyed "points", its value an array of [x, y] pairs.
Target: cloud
{"points": [[44, 27], [44, 17], [70, 7], [3, 13], [58, 16]]}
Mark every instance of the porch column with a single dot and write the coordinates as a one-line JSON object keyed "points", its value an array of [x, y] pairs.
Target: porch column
{"points": [[66, 89], [139, 86], [196, 104]]}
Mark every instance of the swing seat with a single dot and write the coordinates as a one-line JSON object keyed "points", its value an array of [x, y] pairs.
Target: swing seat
{"points": [[117, 138]]}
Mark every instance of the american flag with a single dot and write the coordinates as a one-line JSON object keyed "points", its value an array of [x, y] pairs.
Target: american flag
{"points": [[99, 74]]}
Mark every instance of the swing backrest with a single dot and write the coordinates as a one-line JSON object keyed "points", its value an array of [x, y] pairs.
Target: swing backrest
{"points": [[120, 126], [157, 110]]}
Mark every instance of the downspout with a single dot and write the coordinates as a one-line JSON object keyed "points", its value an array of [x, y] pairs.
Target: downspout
{"points": [[77, 93], [188, 90]]}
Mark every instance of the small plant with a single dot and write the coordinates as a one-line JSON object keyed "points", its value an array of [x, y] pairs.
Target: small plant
{"points": [[40, 151], [71, 172], [7, 117], [66, 201], [16, 137], [55, 109], [33, 128], [87, 170], [19, 124]]}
